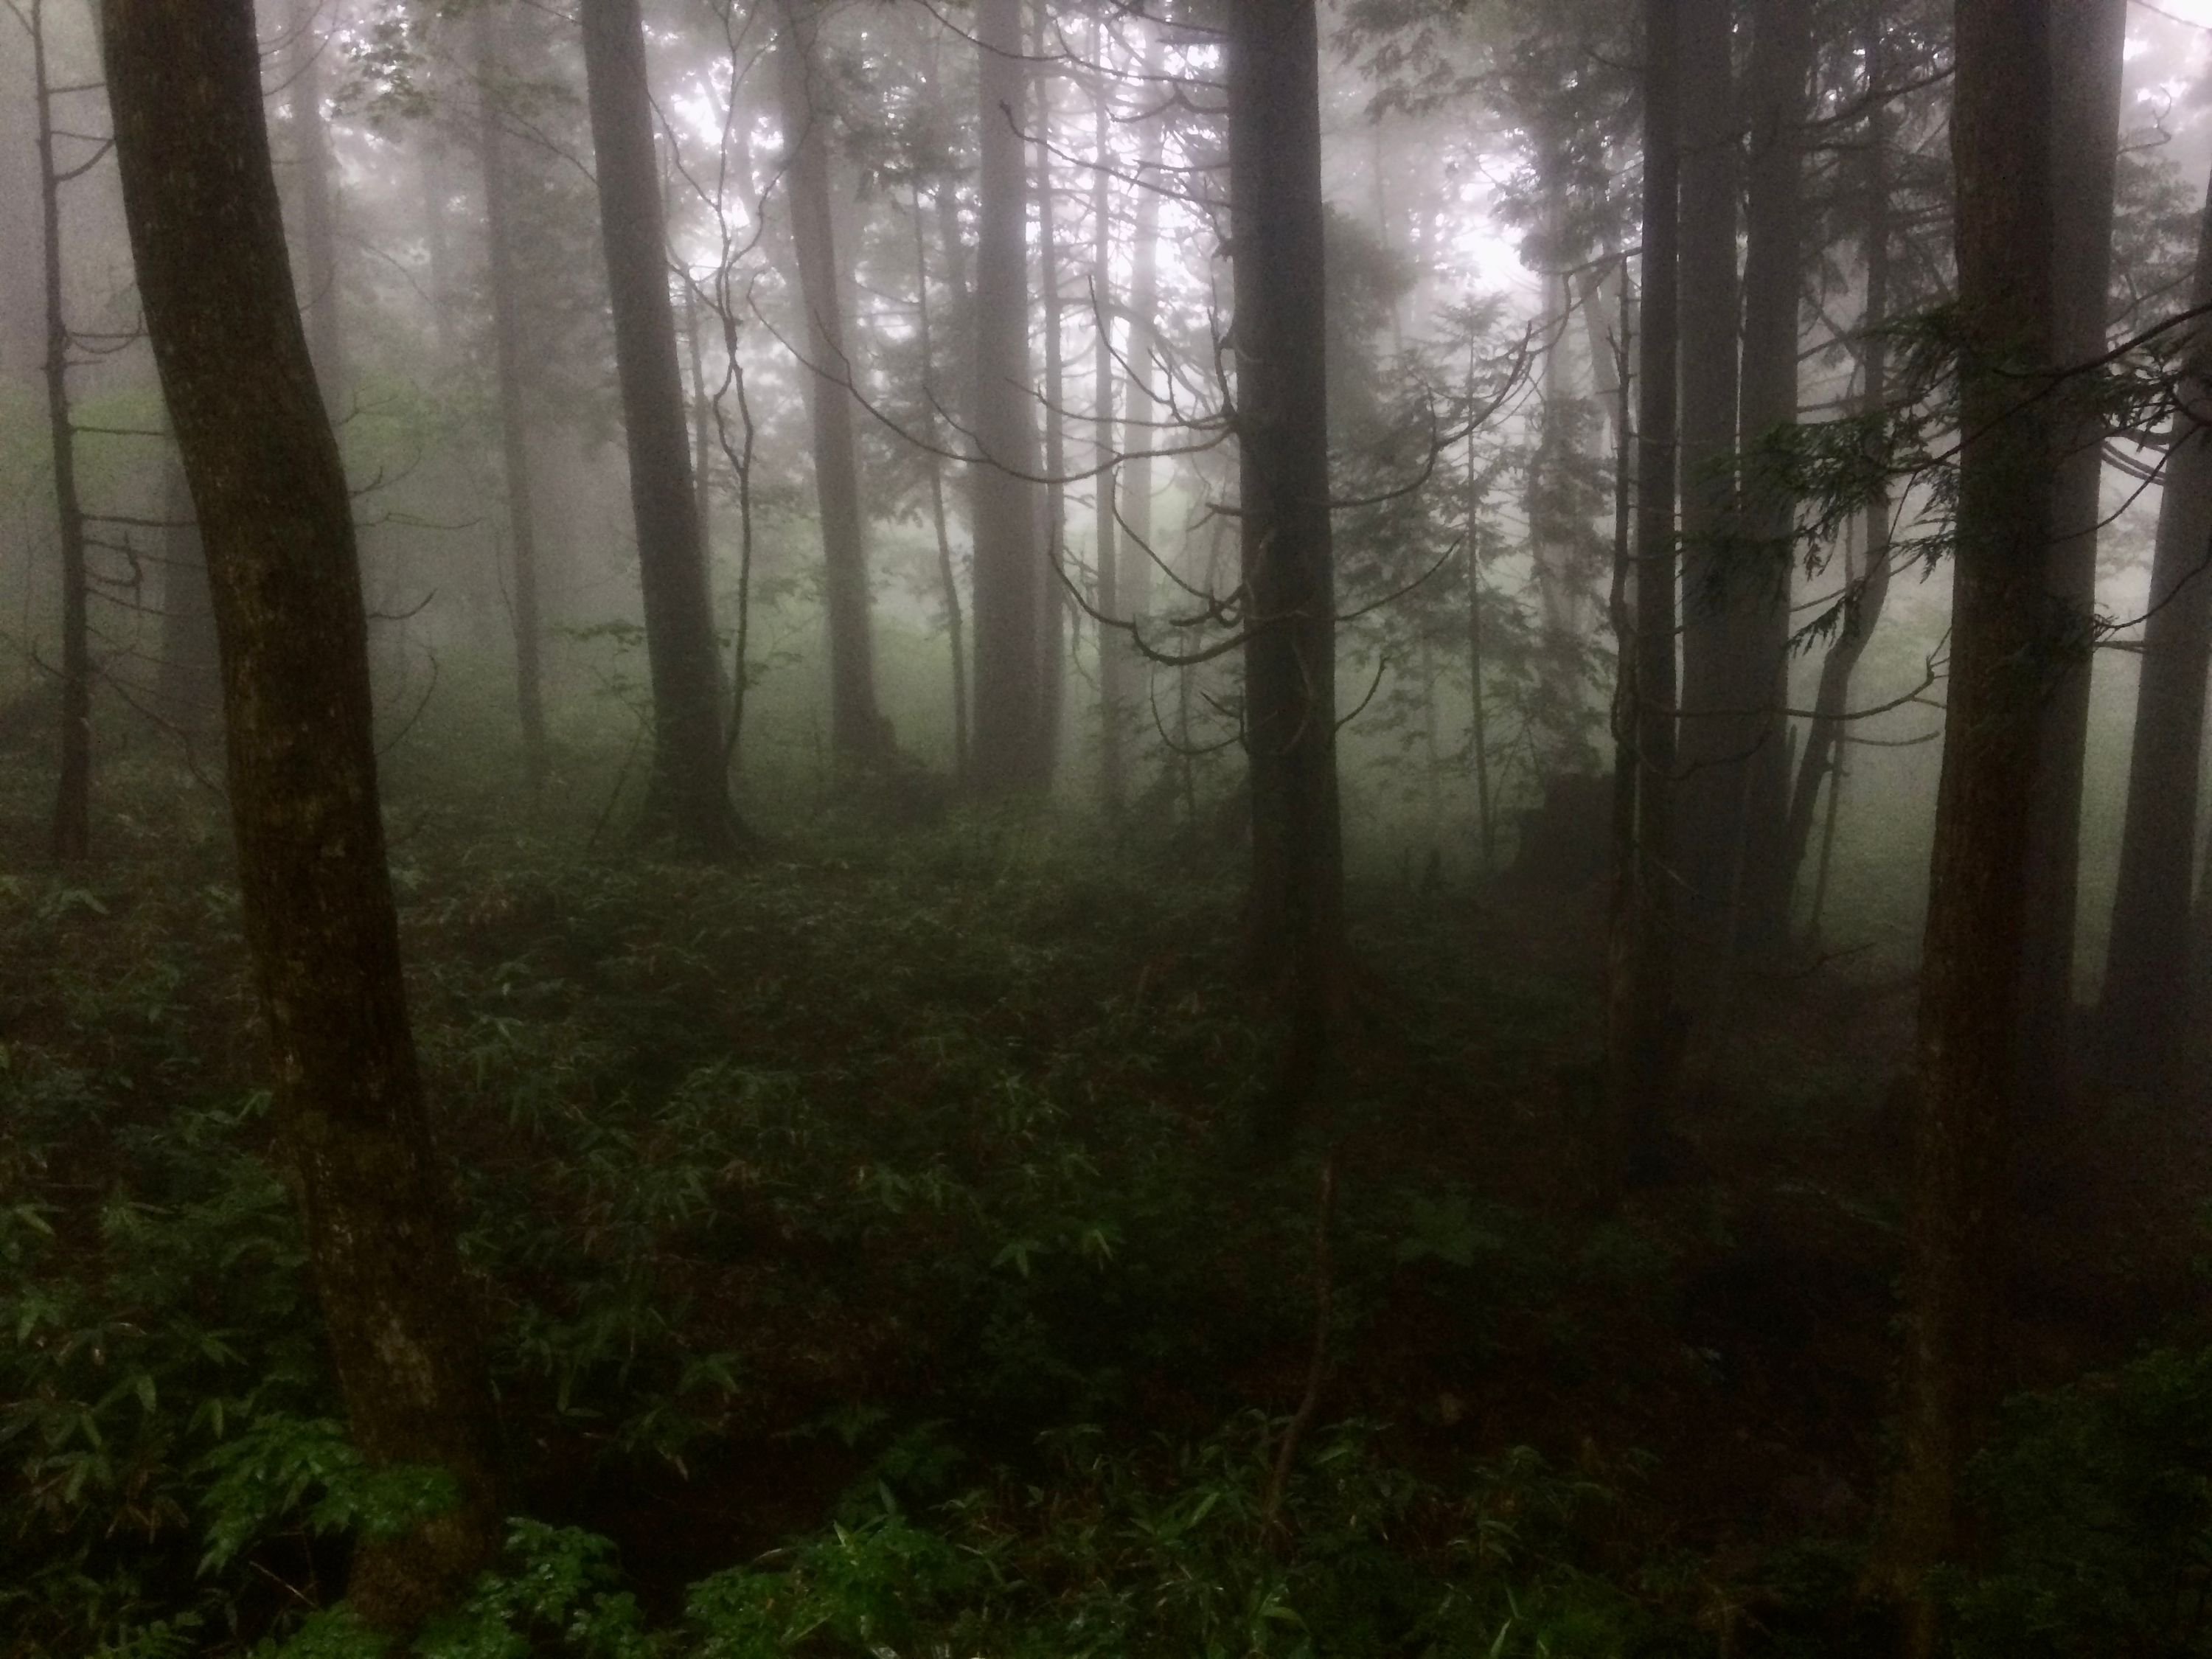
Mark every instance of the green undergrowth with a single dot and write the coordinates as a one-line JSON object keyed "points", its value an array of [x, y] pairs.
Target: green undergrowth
{"points": [[878, 1260]]}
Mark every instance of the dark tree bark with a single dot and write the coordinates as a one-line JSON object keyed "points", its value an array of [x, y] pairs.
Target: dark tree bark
{"points": [[72, 825], [1714, 740], [2086, 41], [688, 797], [1010, 756], [1295, 918], [188, 686], [1641, 1050], [1862, 606], [200, 198], [1052, 591], [1756, 816], [2002, 646], [856, 726], [318, 254], [510, 358], [2148, 983]]}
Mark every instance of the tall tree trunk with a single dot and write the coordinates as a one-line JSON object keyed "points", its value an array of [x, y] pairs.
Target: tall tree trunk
{"points": [[1010, 751], [509, 357], [319, 249], [200, 199], [2003, 643], [2148, 998], [1132, 485], [188, 686], [687, 797], [1116, 656], [1714, 738], [437, 240], [2088, 39], [1862, 604], [1779, 85], [856, 726], [1641, 1014], [1295, 918], [948, 578], [1052, 591], [72, 825]]}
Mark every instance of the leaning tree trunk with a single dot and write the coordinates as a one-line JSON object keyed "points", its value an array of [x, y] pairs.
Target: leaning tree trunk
{"points": [[856, 726], [1642, 1052], [2148, 981], [1778, 84], [508, 355], [188, 685], [200, 199], [72, 825], [688, 797], [1011, 755], [1295, 916], [2088, 37], [2003, 645]]}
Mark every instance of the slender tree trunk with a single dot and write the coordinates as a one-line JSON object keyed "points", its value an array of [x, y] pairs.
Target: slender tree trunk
{"points": [[1116, 656], [1010, 756], [1485, 821], [1052, 591], [509, 357], [1863, 599], [437, 238], [319, 250], [1714, 738], [688, 796], [2147, 998], [2003, 643], [188, 687], [200, 199], [856, 726], [948, 578], [1296, 915], [702, 423], [2088, 37], [1130, 595], [1779, 87], [72, 825], [1643, 1051]]}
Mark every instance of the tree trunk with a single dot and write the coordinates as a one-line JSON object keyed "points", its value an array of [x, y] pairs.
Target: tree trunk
{"points": [[1010, 756], [1715, 589], [687, 797], [72, 825], [1130, 596], [856, 726], [1780, 80], [1295, 918], [2086, 41], [509, 357], [948, 578], [1116, 656], [319, 254], [200, 198], [2002, 644], [1642, 1050], [1862, 604], [188, 686], [1052, 591], [2148, 998]]}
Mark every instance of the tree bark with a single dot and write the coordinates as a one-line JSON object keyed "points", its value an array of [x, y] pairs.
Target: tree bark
{"points": [[856, 726], [207, 233], [948, 578], [687, 797], [509, 357], [2088, 37], [1116, 656], [1010, 756], [2148, 981], [1052, 591], [188, 686], [1640, 991], [72, 823], [1295, 918], [2002, 646]]}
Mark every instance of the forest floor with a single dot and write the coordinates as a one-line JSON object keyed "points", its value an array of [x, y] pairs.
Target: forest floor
{"points": [[877, 1260]]}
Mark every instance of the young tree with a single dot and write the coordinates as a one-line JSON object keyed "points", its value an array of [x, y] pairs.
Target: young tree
{"points": [[206, 232], [2002, 646], [689, 796], [856, 727], [1295, 918], [1010, 752], [510, 361], [2147, 979]]}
